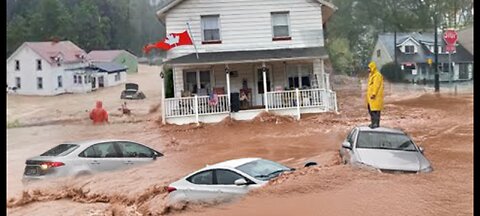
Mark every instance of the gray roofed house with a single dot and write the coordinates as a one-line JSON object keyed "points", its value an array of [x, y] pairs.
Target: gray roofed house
{"points": [[413, 50], [108, 67]]}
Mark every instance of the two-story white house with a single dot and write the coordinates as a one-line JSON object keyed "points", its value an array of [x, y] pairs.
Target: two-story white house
{"points": [[253, 56], [52, 68]]}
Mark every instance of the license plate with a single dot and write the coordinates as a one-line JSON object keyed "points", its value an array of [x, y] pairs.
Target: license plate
{"points": [[31, 171]]}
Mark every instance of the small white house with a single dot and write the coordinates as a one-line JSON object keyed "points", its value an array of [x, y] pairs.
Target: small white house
{"points": [[254, 55], [52, 68]]}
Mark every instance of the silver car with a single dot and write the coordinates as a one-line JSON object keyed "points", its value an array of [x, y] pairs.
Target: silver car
{"points": [[383, 149], [87, 157], [225, 181]]}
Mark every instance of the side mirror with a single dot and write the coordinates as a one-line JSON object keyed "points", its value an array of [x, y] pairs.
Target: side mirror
{"points": [[421, 149], [156, 154], [240, 182], [347, 145]]}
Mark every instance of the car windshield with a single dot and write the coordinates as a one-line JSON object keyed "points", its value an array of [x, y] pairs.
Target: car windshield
{"points": [[379, 140], [60, 150], [263, 170]]}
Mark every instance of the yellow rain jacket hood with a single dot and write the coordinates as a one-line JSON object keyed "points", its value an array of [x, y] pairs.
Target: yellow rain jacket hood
{"points": [[374, 87]]}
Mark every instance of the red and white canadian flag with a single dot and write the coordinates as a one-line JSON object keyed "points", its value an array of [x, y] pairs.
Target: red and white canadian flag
{"points": [[172, 40]]}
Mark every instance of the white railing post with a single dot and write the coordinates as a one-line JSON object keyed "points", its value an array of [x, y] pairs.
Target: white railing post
{"points": [[298, 103], [325, 100], [228, 87], [196, 109]]}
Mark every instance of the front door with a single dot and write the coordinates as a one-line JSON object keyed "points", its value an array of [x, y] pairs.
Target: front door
{"points": [[260, 90], [100, 82], [94, 82]]}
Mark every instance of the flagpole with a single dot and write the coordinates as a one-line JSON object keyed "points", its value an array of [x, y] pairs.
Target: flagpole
{"points": [[193, 40]]}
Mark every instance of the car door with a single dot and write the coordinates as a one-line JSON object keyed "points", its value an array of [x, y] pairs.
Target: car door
{"points": [[200, 187], [225, 184], [102, 157], [135, 153]]}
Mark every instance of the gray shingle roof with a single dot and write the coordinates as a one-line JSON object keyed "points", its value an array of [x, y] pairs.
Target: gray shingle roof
{"points": [[109, 67], [250, 56]]}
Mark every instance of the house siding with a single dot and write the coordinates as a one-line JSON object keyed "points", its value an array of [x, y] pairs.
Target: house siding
{"points": [[384, 55], [246, 24], [129, 61], [28, 73]]}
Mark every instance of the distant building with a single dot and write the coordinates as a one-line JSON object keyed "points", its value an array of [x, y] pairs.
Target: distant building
{"points": [[413, 51], [115, 56], [465, 38], [52, 68]]}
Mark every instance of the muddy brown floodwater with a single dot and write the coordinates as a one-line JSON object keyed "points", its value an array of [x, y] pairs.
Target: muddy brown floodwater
{"points": [[442, 124]]}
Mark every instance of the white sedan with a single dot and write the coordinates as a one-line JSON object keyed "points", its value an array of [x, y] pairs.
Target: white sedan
{"points": [[224, 181]]}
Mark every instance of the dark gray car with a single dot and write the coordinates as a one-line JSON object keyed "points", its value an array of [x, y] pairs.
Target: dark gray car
{"points": [[88, 157], [383, 149], [131, 92]]}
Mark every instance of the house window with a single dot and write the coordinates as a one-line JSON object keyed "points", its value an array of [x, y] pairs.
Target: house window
{"points": [[210, 29], [280, 26], [59, 81], [39, 83], [409, 49], [39, 64], [17, 65], [18, 82], [80, 79], [197, 82], [299, 76], [117, 77], [443, 67], [75, 79], [379, 53]]}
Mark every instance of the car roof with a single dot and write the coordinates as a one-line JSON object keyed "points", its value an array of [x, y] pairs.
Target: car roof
{"points": [[95, 141], [380, 129], [232, 163]]}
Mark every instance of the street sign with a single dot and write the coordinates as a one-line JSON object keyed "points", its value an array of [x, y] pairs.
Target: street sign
{"points": [[450, 37], [429, 61], [450, 48]]}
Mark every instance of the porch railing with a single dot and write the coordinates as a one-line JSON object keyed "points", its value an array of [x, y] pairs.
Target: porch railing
{"points": [[296, 99], [304, 98], [198, 105]]}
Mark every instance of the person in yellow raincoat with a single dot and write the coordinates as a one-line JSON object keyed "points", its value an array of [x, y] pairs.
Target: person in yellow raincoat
{"points": [[374, 97]]}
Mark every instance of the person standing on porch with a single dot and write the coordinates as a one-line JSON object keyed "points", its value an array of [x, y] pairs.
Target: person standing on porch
{"points": [[374, 95]]}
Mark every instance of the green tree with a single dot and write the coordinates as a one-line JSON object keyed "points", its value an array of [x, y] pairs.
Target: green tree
{"points": [[340, 55]]}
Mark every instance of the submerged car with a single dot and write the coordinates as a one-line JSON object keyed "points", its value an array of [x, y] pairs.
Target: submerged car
{"points": [[383, 149], [87, 157], [225, 181], [131, 92]]}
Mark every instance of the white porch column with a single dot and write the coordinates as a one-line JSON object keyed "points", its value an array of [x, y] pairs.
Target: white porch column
{"points": [[162, 103], [178, 81], [227, 74], [327, 81], [264, 72]]}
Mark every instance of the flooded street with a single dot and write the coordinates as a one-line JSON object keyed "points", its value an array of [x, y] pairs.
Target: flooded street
{"points": [[442, 124]]}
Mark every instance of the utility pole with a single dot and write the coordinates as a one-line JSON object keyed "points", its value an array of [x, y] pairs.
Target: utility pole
{"points": [[437, 78]]}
